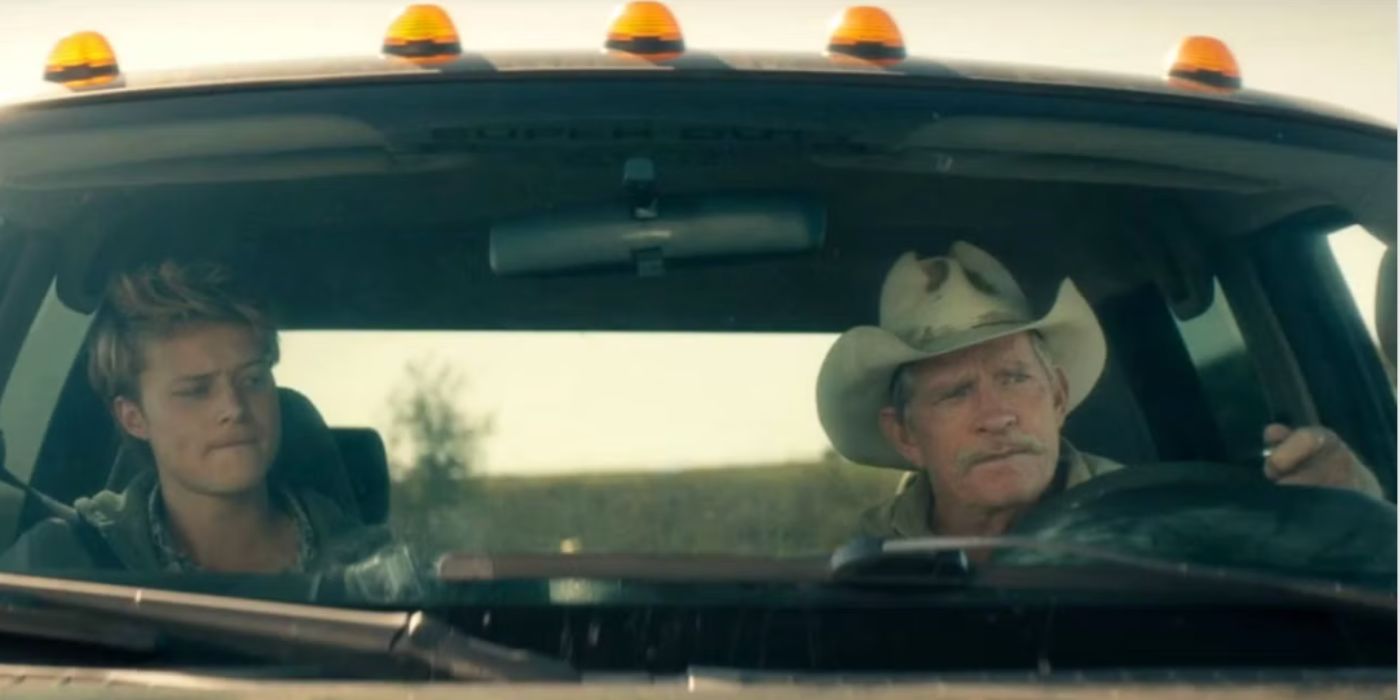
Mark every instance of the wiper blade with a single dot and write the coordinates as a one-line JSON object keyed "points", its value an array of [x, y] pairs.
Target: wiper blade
{"points": [[660, 568], [945, 559], [266, 628], [915, 563], [76, 627]]}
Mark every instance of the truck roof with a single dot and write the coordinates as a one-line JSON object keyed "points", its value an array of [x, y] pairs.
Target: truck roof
{"points": [[697, 64]]}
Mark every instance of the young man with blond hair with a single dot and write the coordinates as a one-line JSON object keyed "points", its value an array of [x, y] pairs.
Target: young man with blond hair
{"points": [[183, 360]]}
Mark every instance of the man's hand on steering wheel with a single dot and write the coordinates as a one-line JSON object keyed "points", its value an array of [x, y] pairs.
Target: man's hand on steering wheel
{"points": [[1315, 456]]}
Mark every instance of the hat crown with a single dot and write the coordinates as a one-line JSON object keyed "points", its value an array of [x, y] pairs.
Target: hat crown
{"points": [[924, 300]]}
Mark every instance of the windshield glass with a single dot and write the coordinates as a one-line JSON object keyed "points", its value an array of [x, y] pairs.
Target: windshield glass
{"points": [[376, 328], [566, 441]]}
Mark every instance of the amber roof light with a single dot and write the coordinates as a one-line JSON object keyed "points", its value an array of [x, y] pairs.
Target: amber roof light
{"points": [[867, 33], [647, 29], [82, 60], [423, 34], [1204, 63]]}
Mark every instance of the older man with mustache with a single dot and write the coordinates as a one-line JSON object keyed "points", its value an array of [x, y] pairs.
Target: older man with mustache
{"points": [[963, 386]]}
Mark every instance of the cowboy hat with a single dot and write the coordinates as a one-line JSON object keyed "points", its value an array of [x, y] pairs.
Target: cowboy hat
{"points": [[931, 307]]}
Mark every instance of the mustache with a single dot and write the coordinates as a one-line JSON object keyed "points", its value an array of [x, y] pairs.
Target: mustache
{"points": [[1008, 445]]}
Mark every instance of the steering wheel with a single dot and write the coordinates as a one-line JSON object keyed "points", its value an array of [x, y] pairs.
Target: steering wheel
{"points": [[1222, 515]]}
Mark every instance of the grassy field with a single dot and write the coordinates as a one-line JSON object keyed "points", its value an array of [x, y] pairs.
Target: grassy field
{"points": [[772, 510]]}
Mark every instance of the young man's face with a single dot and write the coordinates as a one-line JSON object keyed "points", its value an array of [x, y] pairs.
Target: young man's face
{"points": [[208, 408], [984, 422]]}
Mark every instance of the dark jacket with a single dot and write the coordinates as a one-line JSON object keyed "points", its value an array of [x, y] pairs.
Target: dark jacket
{"points": [[123, 523]]}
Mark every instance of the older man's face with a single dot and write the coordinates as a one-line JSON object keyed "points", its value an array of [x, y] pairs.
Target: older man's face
{"points": [[984, 422]]}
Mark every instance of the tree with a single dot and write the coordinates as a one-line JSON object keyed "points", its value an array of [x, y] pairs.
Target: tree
{"points": [[441, 442]]}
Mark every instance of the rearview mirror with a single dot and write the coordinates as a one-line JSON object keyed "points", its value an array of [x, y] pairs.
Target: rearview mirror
{"points": [[682, 227]]}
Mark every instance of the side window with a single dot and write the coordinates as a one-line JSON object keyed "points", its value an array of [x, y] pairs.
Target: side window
{"points": [[1319, 279], [1227, 376], [1358, 255]]}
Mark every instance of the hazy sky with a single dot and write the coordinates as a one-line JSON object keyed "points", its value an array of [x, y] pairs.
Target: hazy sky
{"points": [[669, 401], [595, 401]]}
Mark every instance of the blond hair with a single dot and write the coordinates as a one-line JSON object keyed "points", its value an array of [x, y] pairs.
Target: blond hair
{"points": [[156, 301]]}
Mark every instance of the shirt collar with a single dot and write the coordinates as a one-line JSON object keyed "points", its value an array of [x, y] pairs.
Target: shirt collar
{"points": [[911, 514], [173, 558]]}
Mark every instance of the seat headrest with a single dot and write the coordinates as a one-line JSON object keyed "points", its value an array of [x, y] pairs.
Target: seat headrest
{"points": [[367, 466], [308, 457]]}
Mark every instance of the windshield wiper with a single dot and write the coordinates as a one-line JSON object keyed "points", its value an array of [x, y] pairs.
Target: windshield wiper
{"points": [[946, 559], [916, 563], [288, 630], [658, 568]]}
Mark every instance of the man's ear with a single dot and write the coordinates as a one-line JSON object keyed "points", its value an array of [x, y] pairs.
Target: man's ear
{"points": [[131, 418], [897, 434], [1060, 388]]}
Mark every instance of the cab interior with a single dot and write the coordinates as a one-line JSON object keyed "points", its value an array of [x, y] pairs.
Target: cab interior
{"points": [[1221, 304]]}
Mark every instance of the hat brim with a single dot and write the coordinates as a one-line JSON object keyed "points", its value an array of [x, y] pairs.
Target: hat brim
{"points": [[853, 384]]}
